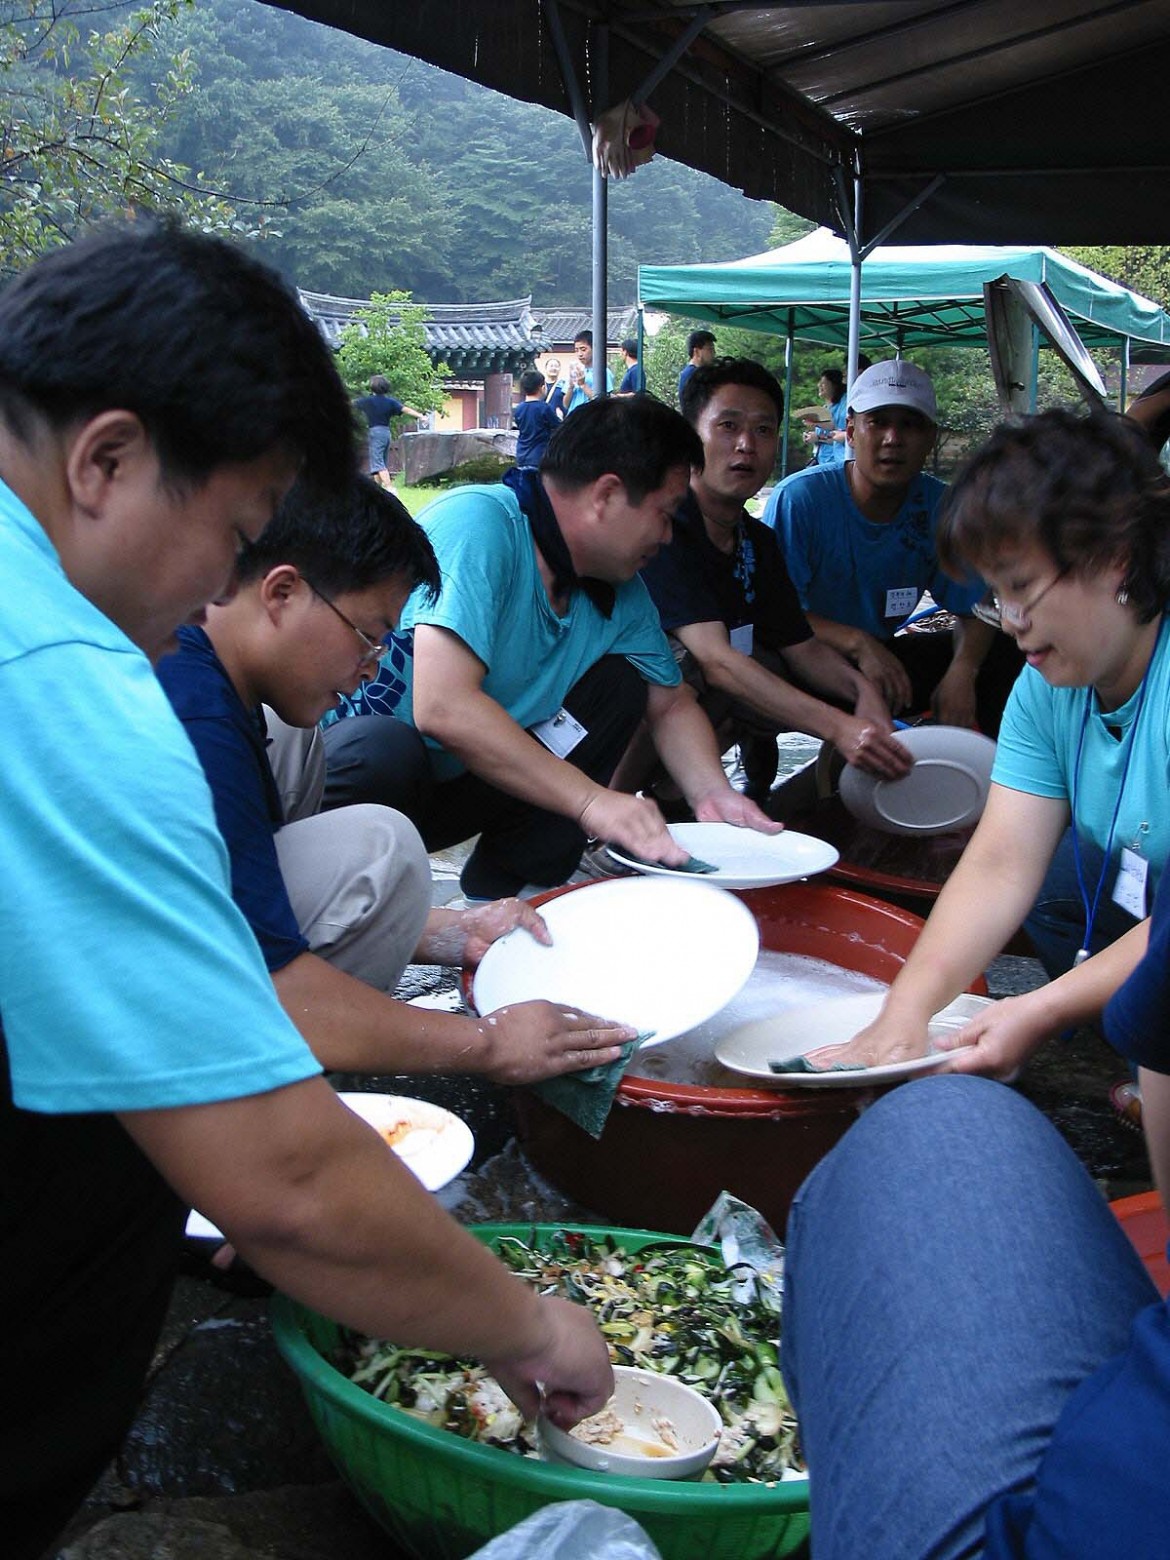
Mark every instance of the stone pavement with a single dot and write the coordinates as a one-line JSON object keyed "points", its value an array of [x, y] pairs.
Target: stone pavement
{"points": [[223, 1462]]}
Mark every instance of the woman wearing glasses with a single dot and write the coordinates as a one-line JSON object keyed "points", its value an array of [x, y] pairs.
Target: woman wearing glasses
{"points": [[950, 1264], [1068, 518]]}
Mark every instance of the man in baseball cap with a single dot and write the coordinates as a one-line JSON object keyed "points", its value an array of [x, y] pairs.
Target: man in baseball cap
{"points": [[859, 542]]}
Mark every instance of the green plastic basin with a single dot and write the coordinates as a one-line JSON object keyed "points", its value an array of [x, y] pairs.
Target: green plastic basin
{"points": [[441, 1497]]}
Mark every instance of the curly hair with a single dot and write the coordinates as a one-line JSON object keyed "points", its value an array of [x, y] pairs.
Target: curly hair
{"points": [[1086, 487]]}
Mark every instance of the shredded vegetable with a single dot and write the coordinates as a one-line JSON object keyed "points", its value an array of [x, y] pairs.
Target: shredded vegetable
{"points": [[667, 1308]]}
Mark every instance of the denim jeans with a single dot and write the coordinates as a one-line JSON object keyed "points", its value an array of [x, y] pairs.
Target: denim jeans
{"points": [[953, 1273], [1056, 922]]}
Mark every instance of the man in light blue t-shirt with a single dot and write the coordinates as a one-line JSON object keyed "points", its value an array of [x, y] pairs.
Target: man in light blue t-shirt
{"points": [[532, 670], [147, 1064], [859, 541], [576, 389]]}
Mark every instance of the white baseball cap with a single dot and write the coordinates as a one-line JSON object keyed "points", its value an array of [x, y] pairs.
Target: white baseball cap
{"points": [[894, 383]]}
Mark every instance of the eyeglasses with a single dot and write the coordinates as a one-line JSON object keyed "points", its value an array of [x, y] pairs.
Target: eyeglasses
{"points": [[372, 649], [998, 610]]}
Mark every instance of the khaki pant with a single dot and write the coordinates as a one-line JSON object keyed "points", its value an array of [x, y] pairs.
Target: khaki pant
{"points": [[358, 877]]}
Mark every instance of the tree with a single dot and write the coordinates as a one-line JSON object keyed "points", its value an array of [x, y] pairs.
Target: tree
{"points": [[387, 337], [77, 144]]}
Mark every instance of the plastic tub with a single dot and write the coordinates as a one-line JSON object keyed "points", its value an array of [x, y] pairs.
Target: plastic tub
{"points": [[441, 1497], [1143, 1218], [668, 1149]]}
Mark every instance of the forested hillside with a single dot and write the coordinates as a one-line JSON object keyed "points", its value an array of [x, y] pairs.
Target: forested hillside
{"points": [[375, 171]]}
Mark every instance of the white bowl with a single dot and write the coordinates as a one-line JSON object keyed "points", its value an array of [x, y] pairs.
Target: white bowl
{"points": [[638, 1451]]}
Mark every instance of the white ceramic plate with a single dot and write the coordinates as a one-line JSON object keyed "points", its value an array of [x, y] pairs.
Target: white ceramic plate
{"points": [[742, 858], [946, 789], [801, 1031], [431, 1141], [662, 954]]}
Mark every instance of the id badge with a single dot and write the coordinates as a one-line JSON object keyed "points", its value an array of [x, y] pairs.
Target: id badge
{"points": [[901, 601], [1130, 889], [743, 638], [561, 734]]}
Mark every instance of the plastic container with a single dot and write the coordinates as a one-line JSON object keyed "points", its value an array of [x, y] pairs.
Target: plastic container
{"points": [[441, 1497], [668, 1149], [1143, 1218]]}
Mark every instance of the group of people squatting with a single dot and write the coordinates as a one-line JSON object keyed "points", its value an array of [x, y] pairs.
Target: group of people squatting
{"points": [[247, 694]]}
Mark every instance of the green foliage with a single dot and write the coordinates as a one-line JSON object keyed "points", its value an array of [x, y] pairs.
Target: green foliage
{"points": [[387, 337], [1143, 268], [78, 143], [483, 468], [787, 227]]}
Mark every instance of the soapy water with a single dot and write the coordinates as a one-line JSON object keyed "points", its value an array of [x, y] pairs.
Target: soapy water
{"points": [[779, 980]]}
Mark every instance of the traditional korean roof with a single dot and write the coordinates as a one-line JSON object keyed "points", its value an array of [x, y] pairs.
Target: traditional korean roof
{"points": [[485, 338]]}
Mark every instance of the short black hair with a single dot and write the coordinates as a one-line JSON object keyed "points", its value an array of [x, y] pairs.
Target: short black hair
{"points": [[1087, 488], [697, 339], [708, 378], [630, 346], [636, 438], [211, 350], [379, 384], [836, 378], [583, 335], [343, 541], [531, 380]]}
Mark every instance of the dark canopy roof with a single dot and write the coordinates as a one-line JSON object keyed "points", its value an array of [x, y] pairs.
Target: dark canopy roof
{"points": [[1042, 121]]}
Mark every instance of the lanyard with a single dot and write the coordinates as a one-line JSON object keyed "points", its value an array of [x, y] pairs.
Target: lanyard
{"points": [[1091, 909]]}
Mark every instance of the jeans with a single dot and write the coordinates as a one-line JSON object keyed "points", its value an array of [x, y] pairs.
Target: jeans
{"points": [[953, 1273], [1056, 922]]}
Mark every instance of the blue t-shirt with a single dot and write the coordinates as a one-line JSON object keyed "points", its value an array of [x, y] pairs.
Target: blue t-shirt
{"points": [[577, 398], [692, 581], [537, 422], [1037, 753], [231, 742], [869, 574], [494, 599], [831, 452], [1137, 1017], [633, 380], [379, 409], [129, 979], [687, 371]]}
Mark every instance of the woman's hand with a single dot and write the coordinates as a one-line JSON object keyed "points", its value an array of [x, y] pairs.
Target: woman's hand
{"points": [[1004, 1036]]}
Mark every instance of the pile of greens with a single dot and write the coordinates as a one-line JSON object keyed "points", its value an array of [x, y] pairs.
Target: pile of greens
{"points": [[673, 1309]]}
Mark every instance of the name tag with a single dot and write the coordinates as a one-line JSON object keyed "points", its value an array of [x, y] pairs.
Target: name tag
{"points": [[1130, 889], [901, 601], [743, 638], [561, 734]]}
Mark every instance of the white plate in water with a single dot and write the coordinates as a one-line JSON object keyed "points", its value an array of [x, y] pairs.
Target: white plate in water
{"points": [[431, 1141], [947, 788], [662, 954], [741, 857], [802, 1031]]}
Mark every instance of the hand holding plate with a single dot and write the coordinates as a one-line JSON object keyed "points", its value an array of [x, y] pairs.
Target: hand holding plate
{"points": [[531, 1041], [634, 823]]}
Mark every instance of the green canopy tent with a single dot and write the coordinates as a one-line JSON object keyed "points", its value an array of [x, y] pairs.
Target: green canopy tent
{"points": [[911, 296], [924, 295]]}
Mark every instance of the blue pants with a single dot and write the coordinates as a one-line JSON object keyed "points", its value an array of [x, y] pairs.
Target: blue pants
{"points": [[953, 1274], [1056, 922]]}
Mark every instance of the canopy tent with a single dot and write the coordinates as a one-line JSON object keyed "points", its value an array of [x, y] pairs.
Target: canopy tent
{"points": [[923, 295]]}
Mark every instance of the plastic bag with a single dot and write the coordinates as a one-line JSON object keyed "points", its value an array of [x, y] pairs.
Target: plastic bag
{"points": [[569, 1530], [749, 1244]]}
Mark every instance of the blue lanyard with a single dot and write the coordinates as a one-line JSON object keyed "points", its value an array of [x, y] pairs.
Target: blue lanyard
{"points": [[1091, 909]]}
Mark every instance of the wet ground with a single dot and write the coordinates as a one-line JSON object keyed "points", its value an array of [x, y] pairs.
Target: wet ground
{"points": [[223, 1462]]}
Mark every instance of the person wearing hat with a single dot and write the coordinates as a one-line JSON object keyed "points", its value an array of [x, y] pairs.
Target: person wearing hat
{"points": [[859, 542]]}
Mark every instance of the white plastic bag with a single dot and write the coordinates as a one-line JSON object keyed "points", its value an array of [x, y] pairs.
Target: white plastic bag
{"points": [[572, 1530]]}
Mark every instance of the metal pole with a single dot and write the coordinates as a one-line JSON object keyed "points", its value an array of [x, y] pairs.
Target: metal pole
{"points": [[787, 390], [600, 227], [855, 280], [1123, 380]]}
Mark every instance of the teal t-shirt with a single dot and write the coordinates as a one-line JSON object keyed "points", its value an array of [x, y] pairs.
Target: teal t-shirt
{"points": [[493, 598], [866, 573], [128, 978], [1037, 753]]}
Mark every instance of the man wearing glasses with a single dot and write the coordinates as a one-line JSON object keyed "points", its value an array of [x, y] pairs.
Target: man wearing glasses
{"points": [[340, 901]]}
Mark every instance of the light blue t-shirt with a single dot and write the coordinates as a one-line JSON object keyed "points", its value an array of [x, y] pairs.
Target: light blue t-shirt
{"points": [[869, 574], [128, 978], [1037, 753], [831, 452], [578, 397], [494, 599]]}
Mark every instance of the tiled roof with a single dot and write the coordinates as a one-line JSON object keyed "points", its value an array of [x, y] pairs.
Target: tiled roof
{"points": [[488, 332]]}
